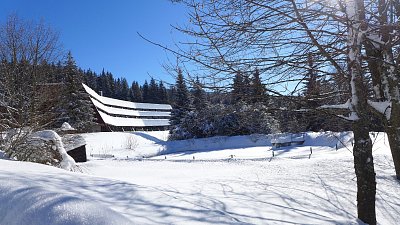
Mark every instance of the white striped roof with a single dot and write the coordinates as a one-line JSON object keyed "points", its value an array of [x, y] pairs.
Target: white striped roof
{"points": [[132, 122], [128, 112], [125, 104]]}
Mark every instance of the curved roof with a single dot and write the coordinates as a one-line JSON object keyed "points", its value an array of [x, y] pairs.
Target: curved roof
{"points": [[132, 122], [128, 112], [125, 104], [113, 111]]}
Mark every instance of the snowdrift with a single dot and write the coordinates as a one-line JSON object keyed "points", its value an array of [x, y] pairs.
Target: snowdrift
{"points": [[28, 198]]}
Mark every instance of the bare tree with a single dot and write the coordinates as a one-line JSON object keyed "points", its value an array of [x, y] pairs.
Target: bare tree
{"points": [[25, 47], [352, 40]]}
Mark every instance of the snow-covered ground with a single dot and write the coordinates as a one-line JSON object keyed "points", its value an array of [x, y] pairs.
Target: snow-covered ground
{"points": [[221, 180]]}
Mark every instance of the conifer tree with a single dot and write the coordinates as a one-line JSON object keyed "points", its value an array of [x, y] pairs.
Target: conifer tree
{"points": [[136, 92], [162, 93], [199, 95], [238, 87], [242, 89], [145, 92], [77, 108], [110, 82], [153, 92], [312, 84], [180, 108], [118, 89], [258, 89], [124, 89]]}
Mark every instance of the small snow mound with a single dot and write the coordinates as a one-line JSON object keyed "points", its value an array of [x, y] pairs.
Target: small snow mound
{"points": [[67, 163], [35, 206], [66, 126]]}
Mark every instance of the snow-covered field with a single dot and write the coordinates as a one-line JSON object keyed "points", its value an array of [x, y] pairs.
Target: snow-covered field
{"points": [[220, 180]]}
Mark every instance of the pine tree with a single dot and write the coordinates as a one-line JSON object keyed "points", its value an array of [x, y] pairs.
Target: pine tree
{"points": [[312, 84], [180, 108], [110, 85], [124, 91], [162, 93], [242, 90], [136, 92], [77, 107], [118, 89], [258, 89], [238, 87], [199, 96], [145, 92], [312, 120], [153, 92]]}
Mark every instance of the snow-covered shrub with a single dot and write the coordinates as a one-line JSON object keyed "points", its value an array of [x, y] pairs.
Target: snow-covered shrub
{"points": [[12, 139], [131, 142], [43, 147], [225, 120]]}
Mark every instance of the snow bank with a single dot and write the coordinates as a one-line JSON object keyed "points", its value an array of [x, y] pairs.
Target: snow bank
{"points": [[29, 195], [36, 205], [118, 143]]}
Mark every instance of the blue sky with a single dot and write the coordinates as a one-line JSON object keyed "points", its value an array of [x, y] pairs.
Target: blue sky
{"points": [[102, 33]]}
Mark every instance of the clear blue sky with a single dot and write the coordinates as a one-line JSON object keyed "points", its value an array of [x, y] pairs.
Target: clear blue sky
{"points": [[102, 33]]}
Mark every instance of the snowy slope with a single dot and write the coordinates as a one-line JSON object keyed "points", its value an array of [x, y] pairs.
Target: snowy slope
{"points": [[285, 189]]}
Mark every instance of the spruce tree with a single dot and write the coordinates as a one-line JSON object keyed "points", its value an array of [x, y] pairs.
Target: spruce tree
{"points": [[118, 87], [124, 91], [153, 92], [145, 92], [199, 96], [180, 108], [77, 110], [242, 90], [238, 87], [258, 89], [162, 93], [312, 84], [136, 92]]}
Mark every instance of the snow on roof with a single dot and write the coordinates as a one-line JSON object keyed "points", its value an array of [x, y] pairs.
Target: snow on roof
{"points": [[127, 112], [72, 141], [126, 104], [132, 122], [66, 127]]}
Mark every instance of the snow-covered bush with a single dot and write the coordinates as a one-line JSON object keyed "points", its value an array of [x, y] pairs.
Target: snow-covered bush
{"points": [[43, 147], [131, 142], [225, 120]]}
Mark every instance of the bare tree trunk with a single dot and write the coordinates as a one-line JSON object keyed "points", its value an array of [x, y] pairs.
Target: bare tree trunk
{"points": [[381, 64], [362, 151], [364, 168], [393, 133]]}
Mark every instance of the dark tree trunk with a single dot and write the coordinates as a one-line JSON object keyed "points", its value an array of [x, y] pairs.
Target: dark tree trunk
{"points": [[364, 168], [362, 152], [393, 133]]}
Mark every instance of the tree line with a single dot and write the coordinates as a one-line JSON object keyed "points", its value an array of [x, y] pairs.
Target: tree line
{"points": [[150, 92]]}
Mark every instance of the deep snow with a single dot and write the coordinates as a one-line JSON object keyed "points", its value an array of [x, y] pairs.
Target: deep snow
{"points": [[231, 180]]}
